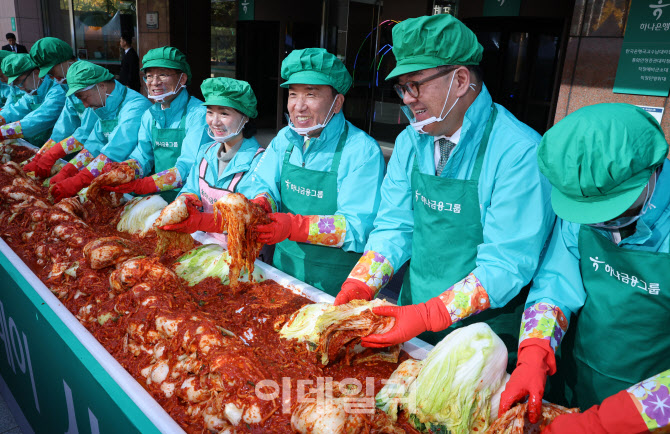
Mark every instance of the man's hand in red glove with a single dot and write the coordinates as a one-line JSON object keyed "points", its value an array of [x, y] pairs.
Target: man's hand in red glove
{"points": [[263, 203], [30, 167], [46, 162], [283, 226], [536, 361], [410, 321], [196, 220], [71, 186], [139, 186], [67, 171], [353, 289], [617, 414]]}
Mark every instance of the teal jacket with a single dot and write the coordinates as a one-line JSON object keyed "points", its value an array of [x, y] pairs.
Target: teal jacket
{"points": [[50, 95], [245, 160], [196, 134], [359, 177], [559, 279], [75, 120], [514, 198], [118, 144], [14, 95]]}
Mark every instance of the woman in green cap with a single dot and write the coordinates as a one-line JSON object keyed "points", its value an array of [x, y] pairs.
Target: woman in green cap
{"points": [[223, 165], [75, 123], [117, 111], [171, 131], [608, 264], [321, 172], [35, 114], [14, 93]]}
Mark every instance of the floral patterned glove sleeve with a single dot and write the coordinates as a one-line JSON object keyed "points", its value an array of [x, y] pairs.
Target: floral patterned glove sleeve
{"points": [[136, 166], [82, 159], [48, 145], [327, 230], [98, 163], [544, 321], [71, 145], [465, 298], [168, 180], [11, 130], [652, 399], [271, 201], [373, 269]]}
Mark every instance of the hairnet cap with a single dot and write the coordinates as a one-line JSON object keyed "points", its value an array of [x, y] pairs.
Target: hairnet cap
{"points": [[599, 159], [315, 66], [228, 92], [427, 42], [16, 64], [83, 74], [49, 52], [167, 57]]}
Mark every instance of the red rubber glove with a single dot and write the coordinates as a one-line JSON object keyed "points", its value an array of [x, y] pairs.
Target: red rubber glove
{"points": [[138, 186], [30, 167], [71, 186], [46, 162], [67, 171], [283, 226], [196, 220], [535, 361], [410, 321], [353, 289], [263, 203], [617, 414]]}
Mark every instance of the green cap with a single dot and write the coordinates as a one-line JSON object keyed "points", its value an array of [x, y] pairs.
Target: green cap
{"points": [[16, 64], [167, 57], [228, 92], [427, 42], [315, 66], [599, 159], [49, 52], [83, 74], [3, 54]]}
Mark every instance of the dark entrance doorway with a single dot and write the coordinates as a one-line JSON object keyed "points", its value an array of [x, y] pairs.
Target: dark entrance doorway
{"points": [[258, 64], [522, 64]]}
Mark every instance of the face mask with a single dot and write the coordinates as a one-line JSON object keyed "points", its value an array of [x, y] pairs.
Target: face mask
{"points": [[307, 130], [161, 98], [61, 80], [224, 139], [418, 126], [34, 91], [107, 95], [643, 202]]}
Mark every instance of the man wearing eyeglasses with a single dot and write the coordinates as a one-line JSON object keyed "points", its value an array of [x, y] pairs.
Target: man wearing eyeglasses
{"points": [[462, 197], [170, 133]]}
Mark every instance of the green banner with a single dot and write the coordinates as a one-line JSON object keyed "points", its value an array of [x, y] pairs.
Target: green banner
{"points": [[59, 386], [245, 10], [13, 20], [502, 8], [645, 55]]}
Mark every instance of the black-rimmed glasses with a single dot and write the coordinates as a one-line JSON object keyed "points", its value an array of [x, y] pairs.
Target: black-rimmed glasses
{"points": [[412, 87]]}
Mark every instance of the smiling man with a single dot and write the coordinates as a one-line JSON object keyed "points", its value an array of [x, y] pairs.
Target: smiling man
{"points": [[170, 134], [321, 172], [463, 196]]}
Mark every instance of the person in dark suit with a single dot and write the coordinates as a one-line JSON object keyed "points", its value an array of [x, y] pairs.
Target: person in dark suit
{"points": [[12, 45], [130, 63]]}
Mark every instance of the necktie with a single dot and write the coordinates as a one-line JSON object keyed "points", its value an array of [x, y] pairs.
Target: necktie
{"points": [[446, 147], [306, 144], [14, 48]]}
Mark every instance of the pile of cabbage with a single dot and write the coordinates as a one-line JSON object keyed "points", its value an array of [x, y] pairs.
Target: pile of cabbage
{"points": [[455, 389], [210, 260]]}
